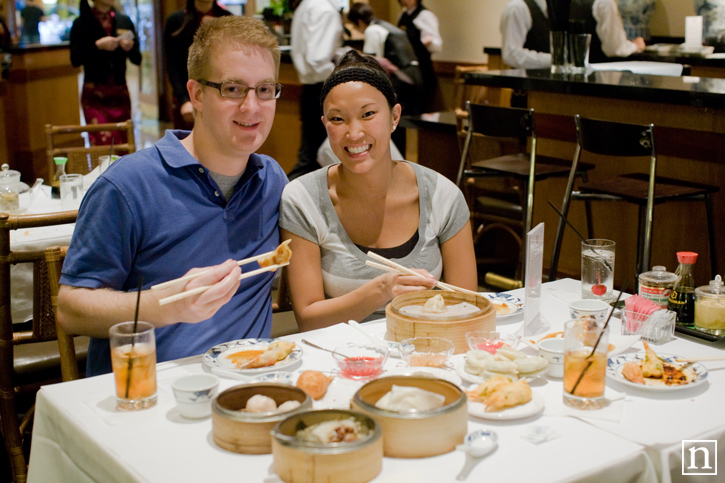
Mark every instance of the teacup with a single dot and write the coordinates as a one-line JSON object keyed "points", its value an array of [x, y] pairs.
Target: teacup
{"points": [[552, 350], [194, 394], [589, 307]]}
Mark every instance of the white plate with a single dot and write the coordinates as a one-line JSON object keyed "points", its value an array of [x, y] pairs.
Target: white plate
{"points": [[339, 393], [444, 374], [615, 365], [514, 303], [474, 379], [620, 342], [217, 355], [535, 406]]}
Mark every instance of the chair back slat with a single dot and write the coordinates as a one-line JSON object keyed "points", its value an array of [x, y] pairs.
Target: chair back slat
{"points": [[66, 141], [615, 139], [501, 122]]}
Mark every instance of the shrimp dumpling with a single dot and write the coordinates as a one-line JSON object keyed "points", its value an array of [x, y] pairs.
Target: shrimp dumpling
{"points": [[434, 305], [260, 403]]}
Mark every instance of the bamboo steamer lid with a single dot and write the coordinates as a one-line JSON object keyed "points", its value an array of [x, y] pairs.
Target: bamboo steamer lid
{"points": [[401, 326]]}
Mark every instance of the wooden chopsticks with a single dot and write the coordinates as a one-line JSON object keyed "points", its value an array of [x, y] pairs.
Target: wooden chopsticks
{"points": [[204, 288], [700, 359], [391, 266], [240, 263]]}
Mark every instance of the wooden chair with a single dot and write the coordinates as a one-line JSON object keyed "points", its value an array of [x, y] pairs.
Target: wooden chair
{"points": [[508, 206], [463, 93], [15, 380], [66, 141], [618, 141]]}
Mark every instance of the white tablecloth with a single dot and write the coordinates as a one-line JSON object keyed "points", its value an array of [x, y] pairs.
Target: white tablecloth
{"points": [[79, 437]]}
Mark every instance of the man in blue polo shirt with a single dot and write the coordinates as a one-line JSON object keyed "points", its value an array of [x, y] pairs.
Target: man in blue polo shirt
{"points": [[195, 199]]}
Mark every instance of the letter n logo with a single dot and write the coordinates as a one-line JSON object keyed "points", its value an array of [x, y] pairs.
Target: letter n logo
{"points": [[699, 457]]}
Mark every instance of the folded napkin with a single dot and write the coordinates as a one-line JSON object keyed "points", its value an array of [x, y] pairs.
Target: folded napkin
{"points": [[103, 404], [612, 412]]}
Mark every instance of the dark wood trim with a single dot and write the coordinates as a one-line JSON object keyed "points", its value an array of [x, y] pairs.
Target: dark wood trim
{"points": [[28, 75]]}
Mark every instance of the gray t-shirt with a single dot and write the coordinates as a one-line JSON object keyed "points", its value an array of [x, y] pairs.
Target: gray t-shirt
{"points": [[307, 211]]}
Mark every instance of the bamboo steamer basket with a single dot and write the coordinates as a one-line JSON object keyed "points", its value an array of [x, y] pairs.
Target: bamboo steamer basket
{"points": [[416, 434], [401, 326], [297, 461], [250, 433]]}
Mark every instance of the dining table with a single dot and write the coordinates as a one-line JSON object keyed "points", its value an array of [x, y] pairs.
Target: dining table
{"points": [[80, 436]]}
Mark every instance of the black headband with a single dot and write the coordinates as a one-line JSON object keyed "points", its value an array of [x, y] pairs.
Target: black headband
{"points": [[380, 81]]}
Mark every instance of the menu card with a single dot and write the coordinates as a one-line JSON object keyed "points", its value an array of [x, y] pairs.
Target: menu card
{"points": [[534, 323]]}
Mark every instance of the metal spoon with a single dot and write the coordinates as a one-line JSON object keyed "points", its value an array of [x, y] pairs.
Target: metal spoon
{"points": [[478, 444], [323, 349]]}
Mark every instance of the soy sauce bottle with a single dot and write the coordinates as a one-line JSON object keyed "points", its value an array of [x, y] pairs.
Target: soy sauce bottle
{"points": [[682, 297]]}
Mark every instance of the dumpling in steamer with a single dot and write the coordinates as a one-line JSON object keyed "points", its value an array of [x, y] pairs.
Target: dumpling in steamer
{"points": [[434, 305], [409, 399], [260, 403], [288, 406]]}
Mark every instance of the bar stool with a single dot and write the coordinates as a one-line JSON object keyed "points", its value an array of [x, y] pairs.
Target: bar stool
{"points": [[643, 189], [508, 126]]}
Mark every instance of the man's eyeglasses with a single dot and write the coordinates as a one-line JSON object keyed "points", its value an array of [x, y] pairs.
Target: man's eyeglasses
{"points": [[235, 90]]}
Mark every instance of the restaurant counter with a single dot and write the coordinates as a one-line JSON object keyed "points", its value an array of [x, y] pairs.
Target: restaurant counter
{"points": [[688, 116], [699, 65], [79, 436]]}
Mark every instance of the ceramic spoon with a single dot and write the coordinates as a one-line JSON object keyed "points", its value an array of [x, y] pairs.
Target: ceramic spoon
{"points": [[477, 445], [383, 345]]}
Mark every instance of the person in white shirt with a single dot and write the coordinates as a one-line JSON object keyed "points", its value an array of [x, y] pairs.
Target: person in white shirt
{"points": [[421, 25], [601, 18], [316, 35], [525, 42]]}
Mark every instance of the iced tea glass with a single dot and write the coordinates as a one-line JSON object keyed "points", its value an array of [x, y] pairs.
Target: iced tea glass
{"points": [[585, 368], [598, 269], [133, 357]]}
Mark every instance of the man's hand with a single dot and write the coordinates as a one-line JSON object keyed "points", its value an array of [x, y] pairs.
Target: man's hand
{"points": [[639, 42], [386, 64], [187, 111], [107, 43], [224, 280]]}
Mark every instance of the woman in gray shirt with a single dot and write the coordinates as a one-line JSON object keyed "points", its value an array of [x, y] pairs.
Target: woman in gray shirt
{"points": [[402, 211]]}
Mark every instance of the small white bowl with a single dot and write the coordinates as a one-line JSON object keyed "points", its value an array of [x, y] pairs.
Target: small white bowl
{"points": [[194, 394], [552, 350], [589, 307]]}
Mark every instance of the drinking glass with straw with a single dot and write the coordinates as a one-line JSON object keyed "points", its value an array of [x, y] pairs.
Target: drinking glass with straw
{"points": [[133, 357], [586, 344]]}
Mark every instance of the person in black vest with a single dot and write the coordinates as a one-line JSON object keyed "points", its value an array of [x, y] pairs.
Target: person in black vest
{"points": [[393, 51], [601, 18], [421, 25], [525, 34], [178, 37]]}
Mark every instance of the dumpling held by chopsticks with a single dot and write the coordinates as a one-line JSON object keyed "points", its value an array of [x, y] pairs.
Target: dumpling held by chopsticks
{"points": [[281, 255]]}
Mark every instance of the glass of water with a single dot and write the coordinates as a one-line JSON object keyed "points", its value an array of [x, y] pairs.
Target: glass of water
{"points": [[597, 269], [71, 191]]}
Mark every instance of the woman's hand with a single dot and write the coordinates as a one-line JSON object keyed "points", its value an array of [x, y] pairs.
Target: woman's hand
{"points": [[399, 284], [107, 43], [125, 44]]}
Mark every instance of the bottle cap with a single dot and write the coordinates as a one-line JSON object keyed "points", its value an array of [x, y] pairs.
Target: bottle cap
{"points": [[686, 257], [60, 160]]}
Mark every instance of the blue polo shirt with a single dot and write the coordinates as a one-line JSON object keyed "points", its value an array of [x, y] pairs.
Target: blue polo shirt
{"points": [[158, 213]]}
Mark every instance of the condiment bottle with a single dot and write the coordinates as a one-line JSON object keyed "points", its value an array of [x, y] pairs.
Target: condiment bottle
{"points": [[682, 297], [657, 285], [59, 168], [710, 307]]}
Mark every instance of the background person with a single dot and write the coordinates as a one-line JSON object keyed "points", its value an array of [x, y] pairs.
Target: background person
{"points": [[601, 18], [525, 31], [421, 25], [193, 200], [367, 201], [391, 48], [101, 39], [316, 34], [178, 36], [30, 17]]}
